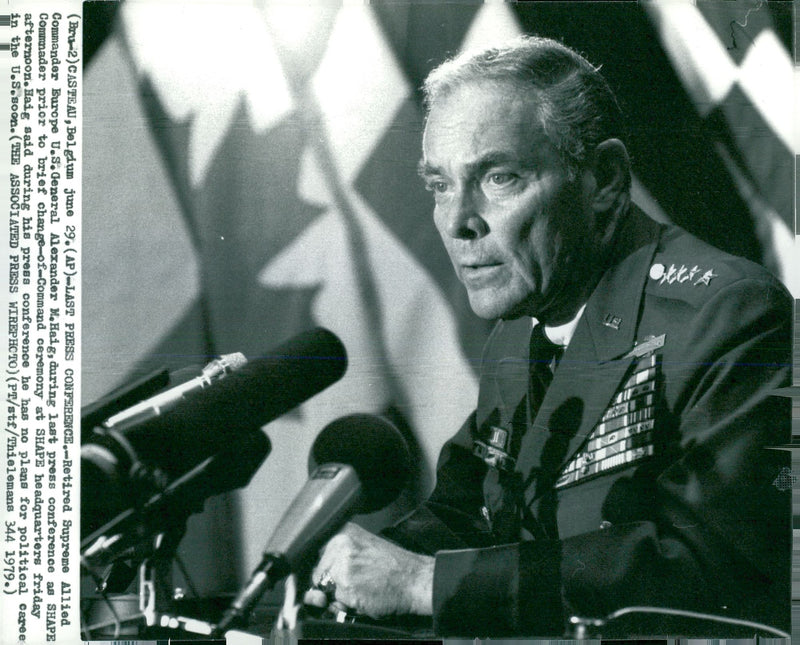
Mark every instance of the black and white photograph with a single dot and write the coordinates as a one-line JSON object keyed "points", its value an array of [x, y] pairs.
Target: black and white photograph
{"points": [[419, 320]]}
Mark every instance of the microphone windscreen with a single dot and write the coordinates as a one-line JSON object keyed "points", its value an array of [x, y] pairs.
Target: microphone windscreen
{"points": [[374, 448], [263, 389], [234, 467]]}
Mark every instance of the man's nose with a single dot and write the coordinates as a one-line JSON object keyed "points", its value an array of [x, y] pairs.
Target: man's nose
{"points": [[463, 218]]}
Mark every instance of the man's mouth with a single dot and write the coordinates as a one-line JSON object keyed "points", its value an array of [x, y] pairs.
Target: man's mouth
{"points": [[482, 264], [474, 274]]}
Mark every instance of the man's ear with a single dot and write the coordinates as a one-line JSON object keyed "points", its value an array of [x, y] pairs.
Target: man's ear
{"points": [[612, 171]]}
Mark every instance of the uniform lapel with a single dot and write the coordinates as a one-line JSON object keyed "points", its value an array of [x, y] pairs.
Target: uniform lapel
{"points": [[594, 364], [504, 372]]}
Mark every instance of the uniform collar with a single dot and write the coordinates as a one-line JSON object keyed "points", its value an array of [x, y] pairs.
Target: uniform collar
{"points": [[612, 313]]}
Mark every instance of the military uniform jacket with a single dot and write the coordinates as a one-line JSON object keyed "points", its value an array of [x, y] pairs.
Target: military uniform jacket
{"points": [[644, 478]]}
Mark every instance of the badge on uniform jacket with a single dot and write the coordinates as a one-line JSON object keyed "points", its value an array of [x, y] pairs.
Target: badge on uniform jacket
{"points": [[494, 450], [624, 433]]}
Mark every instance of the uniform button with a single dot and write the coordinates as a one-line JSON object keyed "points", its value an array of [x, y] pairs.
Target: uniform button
{"points": [[605, 524]]}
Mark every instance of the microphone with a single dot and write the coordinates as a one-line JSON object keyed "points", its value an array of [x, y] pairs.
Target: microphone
{"points": [[363, 465], [203, 423], [164, 401]]}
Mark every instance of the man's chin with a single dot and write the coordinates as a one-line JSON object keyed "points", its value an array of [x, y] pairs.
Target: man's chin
{"points": [[495, 309]]}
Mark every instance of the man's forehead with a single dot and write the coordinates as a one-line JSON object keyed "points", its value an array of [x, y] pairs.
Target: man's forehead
{"points": [[486, 98], [484, 108], [489, 129]]}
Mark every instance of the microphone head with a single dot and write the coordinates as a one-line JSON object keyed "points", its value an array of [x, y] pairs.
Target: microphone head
{"points": [[374, 448], [233, 362]]}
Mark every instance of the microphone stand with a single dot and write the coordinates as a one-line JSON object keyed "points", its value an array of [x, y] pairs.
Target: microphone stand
{"points": [[150, 531], [225, 471], [138, 521], [269, 571]]}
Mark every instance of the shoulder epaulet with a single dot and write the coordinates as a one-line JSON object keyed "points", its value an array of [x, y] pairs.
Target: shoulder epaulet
{"points": [[687, 269]]}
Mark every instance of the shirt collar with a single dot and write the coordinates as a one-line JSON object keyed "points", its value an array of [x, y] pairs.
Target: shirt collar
{"points": [[562, 334]]}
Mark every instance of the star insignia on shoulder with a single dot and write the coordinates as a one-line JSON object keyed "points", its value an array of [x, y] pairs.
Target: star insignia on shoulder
{"points": [[681, 274], [706, 277]]}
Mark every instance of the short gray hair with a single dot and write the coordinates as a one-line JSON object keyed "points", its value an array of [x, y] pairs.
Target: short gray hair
{"points": [[574, 103]]}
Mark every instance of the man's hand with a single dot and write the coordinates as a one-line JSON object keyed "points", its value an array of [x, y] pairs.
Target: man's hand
{"points": [[373, 576]]}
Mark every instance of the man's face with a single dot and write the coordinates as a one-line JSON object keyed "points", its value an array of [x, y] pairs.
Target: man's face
{"points": [[516, 228]]}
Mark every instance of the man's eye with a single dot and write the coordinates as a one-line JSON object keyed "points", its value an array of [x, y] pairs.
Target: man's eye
{"points": [[499, 179], [437, 186]]}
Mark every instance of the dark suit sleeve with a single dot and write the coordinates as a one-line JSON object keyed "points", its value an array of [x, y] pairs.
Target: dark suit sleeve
{"points": [[714, 533], [450, 518]]}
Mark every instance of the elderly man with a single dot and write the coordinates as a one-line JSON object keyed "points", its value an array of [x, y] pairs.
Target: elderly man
{"points": [[620, 451]]}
